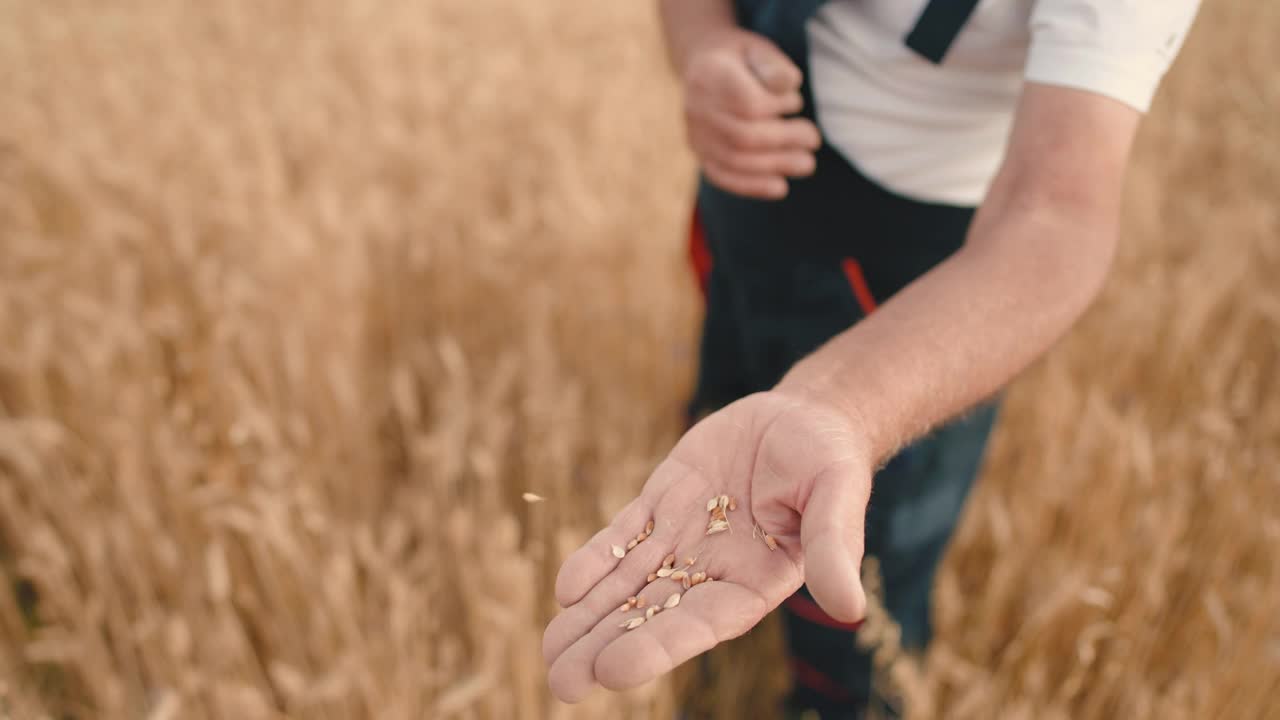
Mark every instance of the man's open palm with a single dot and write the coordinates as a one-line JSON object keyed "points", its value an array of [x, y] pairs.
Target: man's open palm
{"points": [[797, 470]]}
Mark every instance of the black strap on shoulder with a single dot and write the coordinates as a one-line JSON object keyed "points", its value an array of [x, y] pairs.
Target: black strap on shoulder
{"points": [[938, 26]]}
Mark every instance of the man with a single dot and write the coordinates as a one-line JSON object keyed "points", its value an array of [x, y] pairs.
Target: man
{"points": [[856, 301]]}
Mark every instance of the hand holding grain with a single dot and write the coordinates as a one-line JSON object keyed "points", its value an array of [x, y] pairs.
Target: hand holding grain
{"points": [[766, 494]]}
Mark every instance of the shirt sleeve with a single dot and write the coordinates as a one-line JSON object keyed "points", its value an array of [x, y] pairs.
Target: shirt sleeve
{"points": [[1117, 48]]}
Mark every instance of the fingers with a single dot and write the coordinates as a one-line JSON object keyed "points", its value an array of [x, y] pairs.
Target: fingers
{"points": [[753, 158], [730, 82], [577, 635], [708, 614], [571, 676], [609, 593], [765, 187], [832, 532], [591, 562], [773, 68], [716, 130], [749, 581], [594, 560]]}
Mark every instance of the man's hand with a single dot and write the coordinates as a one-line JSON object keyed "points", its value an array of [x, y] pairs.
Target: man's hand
{"points": [[738, 88], [798, 470]]}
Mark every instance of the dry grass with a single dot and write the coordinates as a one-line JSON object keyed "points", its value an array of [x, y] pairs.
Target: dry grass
{"points": [[297, 299]]}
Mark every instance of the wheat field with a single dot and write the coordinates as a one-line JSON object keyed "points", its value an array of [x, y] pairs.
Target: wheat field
{"points": [[297, 299]]}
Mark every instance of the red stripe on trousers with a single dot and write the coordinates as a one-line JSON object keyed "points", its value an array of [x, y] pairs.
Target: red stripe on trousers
{"points": [[806, 609], [699, 255], [857, 281], [816, 680]]}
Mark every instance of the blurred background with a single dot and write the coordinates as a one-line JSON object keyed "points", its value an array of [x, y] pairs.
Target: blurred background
{"points": [[298, 298]]}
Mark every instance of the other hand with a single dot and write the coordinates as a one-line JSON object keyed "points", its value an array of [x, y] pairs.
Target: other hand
{"points": [[739, 88]]}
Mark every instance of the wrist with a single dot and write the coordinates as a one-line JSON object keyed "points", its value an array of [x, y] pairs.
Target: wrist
{"points": [[690, 26], [820, 393]]}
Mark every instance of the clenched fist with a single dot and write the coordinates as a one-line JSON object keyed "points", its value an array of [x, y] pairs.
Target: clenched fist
{"points": [[739, 89]]}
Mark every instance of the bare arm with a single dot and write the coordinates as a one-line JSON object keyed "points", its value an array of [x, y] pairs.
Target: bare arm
{"points": [[1035, 257], [686, 24]]}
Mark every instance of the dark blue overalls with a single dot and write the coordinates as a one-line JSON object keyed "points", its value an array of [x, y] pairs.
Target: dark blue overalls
{"points": [[780, 279]]}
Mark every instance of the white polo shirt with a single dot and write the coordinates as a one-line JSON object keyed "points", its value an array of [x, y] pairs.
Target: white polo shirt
{"points": [[937, 131]]}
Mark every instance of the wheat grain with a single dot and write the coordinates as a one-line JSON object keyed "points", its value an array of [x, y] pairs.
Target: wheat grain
{"points": [[617, 551], [664, 571], [633, 623], [672, 601], [532, 498], [679, 575]]}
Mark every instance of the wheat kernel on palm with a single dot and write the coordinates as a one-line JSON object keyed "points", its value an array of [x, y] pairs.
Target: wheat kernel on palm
{"points": [[679, 575], [652, 577], [617, 551], [723, 501], [653, 610], [648, 528], [532, 498], [686, 583], [632, 545], [640, 603], [733, 504], [711, 504], [672, 601], [664, 572], [633, 623], [624, 607], [669, 560], [632, 600], [770, 542], [689, 561], [697, 577]]}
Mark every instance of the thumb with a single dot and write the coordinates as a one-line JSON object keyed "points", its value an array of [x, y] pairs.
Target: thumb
{"points": [[773, 68], [832, 529]]}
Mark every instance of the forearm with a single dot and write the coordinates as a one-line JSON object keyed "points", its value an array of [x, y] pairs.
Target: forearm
{"points": [[687, 23], [963, 330]]}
